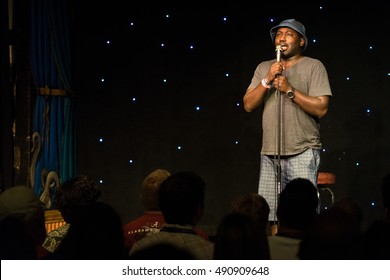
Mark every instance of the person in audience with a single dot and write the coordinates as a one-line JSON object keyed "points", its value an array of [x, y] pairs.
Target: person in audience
{"points": [[70, 198], [181, 200], [297, 208], [385, 188], [22, 228], [255, 206], [94, 234], [239, 237], [376, 241], [162, 252], [16, 240], [152, 219], [334, 235], [350, 206]]}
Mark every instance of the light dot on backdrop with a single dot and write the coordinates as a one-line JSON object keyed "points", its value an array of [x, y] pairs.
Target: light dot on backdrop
{"points": [[101, 140]]}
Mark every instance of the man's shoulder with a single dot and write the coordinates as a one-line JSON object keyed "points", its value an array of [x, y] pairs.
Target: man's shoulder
{"points": [[312, 61], [154, 221], [174, 237], [275, 239], [265, 63]]}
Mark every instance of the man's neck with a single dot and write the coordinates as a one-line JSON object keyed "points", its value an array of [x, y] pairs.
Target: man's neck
{"points": [[291, 61]]}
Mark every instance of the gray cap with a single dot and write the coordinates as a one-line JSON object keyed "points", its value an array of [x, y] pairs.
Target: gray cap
{"points": [[293, 24]]}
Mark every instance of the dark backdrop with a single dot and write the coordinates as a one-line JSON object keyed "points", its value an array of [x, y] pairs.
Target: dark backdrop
{"points": [[178, 106]]}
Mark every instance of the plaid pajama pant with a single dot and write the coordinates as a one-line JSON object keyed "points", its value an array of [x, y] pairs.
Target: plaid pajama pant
{"points": [[303, 165]]}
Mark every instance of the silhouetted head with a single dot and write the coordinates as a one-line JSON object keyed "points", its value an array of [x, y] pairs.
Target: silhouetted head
{"points": [[21, 201], [254, 205], [181, 198], [238, 237], [298, 204], [333, 235], [74, 195], [150, 187], [96, 233]]}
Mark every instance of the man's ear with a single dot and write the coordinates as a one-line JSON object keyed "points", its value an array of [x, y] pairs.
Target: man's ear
{"points": [[302, 42]]}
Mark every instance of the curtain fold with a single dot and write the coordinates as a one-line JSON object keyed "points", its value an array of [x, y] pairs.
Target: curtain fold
{"points": [[54, 158]]}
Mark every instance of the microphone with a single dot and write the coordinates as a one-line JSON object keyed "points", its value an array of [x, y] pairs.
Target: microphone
{"points": [[278, 52]]}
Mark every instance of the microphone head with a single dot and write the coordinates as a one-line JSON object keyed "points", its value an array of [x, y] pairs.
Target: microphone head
{"points": [[278, 52]]}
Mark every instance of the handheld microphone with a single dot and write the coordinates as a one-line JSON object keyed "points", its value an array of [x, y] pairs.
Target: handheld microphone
{"points": [[278, 52]]}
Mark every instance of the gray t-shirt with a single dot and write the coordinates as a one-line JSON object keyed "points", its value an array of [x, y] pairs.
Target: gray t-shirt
{"points": [[299, 130]]}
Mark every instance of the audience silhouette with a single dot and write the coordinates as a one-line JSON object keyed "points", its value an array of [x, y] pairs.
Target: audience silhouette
{"points": [[70, 198], [297, 208], [376, 238], [163, 251], [334, 235], [152, 219], [350, 206], [16, 240], [22, 227], [239, 237], [167, 230], [181, 199], [94, 234], [255, 206]]}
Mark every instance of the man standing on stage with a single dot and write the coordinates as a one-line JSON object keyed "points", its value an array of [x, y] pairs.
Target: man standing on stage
{"points": [[295, 93]]}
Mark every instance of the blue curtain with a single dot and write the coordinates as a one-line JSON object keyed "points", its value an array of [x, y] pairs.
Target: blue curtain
{"points": [[54, 145]]}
